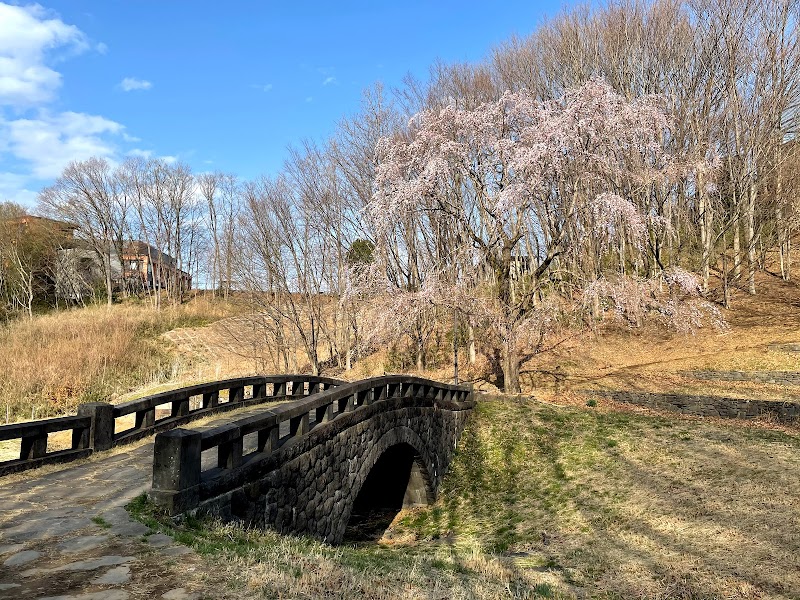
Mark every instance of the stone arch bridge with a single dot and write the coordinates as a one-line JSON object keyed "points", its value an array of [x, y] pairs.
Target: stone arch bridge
{"points": [[305, 466]]}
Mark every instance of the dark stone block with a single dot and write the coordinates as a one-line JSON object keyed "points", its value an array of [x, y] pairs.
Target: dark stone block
{"points": [[176, 470], [101, 432]]}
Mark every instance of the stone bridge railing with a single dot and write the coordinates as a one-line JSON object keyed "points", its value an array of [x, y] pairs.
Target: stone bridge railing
{"points": [[101, 426], [321, 444]]}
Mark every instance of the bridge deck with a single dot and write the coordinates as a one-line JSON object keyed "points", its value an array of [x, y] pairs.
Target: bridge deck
{"points": [[47, 527]]}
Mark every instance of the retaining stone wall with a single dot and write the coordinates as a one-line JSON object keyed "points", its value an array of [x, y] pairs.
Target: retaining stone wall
{"points": [[711, 406], [781, 377]]}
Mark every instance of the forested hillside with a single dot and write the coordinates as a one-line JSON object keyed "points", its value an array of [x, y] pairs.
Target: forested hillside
{"points": [[635, 159]]}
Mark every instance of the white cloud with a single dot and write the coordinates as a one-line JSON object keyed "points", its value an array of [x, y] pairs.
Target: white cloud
{"points": [[48, 143], [263, 87], [329, 81], [141, 153], [14, 188], [36, 140], [27, 34], [130, 84], [138, 152]]}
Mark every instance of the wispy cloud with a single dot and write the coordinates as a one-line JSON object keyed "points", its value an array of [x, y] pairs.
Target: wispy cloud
{"points": [[130, 84], [50, 141], [309, 98], [138, 152], [329, 81], [27, 33], [265, 87]]}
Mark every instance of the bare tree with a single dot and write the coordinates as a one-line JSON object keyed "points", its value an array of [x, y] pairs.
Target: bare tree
{"points": [[89, 194]]}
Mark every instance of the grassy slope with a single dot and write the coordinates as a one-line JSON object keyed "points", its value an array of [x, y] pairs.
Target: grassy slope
{"points": [[650, 359], [55, 361], [553, 501]]}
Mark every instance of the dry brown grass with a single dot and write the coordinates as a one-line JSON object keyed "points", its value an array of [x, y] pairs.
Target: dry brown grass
{"points": [[53, 362], [650, 359]]}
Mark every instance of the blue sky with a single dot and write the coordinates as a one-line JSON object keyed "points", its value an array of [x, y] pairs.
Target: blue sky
{"points": [[219, 85]]}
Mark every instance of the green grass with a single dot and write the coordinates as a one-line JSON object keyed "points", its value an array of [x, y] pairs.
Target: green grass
{"points": [[100, 521], [543, 501]]}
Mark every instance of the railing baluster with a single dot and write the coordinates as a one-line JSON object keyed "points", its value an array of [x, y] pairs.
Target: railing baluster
{"points": [[230, 454], [180, 407], [34, 446], [80, 438], [345, 404], [324, 413], [268, 439], [236, 394], [211, 399], [298, 425], [145, 418]]}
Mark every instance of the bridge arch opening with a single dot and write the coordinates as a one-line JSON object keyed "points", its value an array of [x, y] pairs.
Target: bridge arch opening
{"points": [[399, 479]]}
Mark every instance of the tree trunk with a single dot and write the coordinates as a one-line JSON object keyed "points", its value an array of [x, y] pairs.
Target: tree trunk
{"points": [[472, 353], [109, 285], [737, 250], [510, 366], [751, 238]]}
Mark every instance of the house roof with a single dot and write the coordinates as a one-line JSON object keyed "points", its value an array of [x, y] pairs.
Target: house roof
{"points": [[54, 223]]}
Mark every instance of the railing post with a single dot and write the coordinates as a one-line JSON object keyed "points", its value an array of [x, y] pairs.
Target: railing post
{"points": [[279, 389], [236, 394], [34, 446], [176, 470], [268, 439], [298, 425], [259, 390], [211, 399], [101, 433]]}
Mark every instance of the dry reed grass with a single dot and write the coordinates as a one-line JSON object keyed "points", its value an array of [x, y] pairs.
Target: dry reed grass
{"points": [[53, 362], [650, 359]]}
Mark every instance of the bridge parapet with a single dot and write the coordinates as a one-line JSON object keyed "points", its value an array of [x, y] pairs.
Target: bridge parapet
{"points": [[344, 428], [101, 425]]}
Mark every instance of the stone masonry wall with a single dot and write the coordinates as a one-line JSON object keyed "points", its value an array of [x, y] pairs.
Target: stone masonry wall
{"points": [[711, 406], [314, 484], [781, 377]]}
